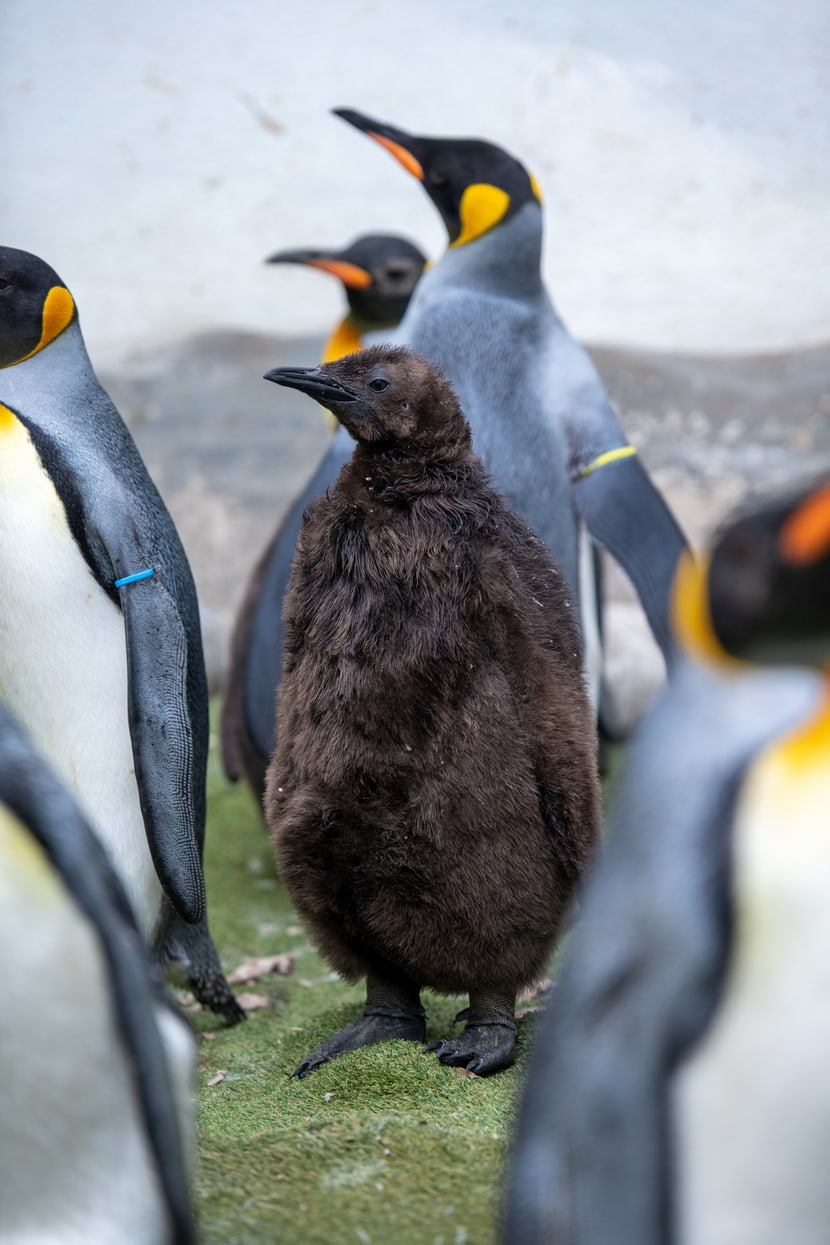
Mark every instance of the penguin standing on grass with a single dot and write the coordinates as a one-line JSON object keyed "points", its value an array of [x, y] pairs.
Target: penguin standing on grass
{"points": [[433, 797], [540, 418], [100, 643], [378, 273], [96, 1113], [679, 1091]]}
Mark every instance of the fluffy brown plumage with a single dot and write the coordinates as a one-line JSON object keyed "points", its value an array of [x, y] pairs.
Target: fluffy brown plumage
{"points": [[433, 797]]}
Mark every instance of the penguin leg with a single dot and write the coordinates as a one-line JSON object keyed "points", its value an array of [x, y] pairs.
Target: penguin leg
{"points": [[393, 1010], [488, 1043], [191, 950]]}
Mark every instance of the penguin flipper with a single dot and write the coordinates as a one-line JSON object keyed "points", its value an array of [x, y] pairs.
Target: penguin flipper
{"points": [[261, 661], [625, 513], [162, 736], [36, 797]]}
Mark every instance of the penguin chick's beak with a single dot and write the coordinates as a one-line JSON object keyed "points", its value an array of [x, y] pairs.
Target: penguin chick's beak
{"points": [[397, 142], [309, 380]]}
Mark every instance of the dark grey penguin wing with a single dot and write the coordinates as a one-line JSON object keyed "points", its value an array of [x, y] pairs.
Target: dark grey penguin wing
{"points": [[613, 492], [263, 656], [30, 790], [641, 978], [123, 530]]}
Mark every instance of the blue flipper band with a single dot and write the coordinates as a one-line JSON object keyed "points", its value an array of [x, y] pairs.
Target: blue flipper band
{"points": [[611, 456], [132, 579]]}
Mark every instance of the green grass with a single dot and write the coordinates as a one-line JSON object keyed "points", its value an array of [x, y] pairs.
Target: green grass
{"points": [[381, 1145]]}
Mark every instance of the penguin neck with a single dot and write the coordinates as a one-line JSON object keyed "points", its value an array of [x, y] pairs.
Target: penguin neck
{"points": [[62, 365], [809, 744], [403, 470], [506, 260], [346, 338]]}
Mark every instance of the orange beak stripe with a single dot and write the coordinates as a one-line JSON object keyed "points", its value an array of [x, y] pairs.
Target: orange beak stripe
{"points": [[353, 277], [805, 537], [400, 153]]}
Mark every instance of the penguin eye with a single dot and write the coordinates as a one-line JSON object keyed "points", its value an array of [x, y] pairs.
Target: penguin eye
{"points": [[437, 178], [396, 272], [4, 285], [379, 384]]}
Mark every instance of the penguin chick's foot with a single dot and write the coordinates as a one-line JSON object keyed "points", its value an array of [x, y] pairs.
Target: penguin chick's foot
{"points": [[488, 1043], [393, 1010]]}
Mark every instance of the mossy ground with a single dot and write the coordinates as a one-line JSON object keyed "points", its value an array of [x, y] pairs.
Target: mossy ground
{"points": [[380, 1145]]}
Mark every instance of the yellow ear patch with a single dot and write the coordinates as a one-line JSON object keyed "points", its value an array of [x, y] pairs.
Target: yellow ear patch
{"points": [[482, 206], [805, 537], [58, 310], [536, 188], [691, 619]]}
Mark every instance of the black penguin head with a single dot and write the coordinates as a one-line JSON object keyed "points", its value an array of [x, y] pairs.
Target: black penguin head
{"points": [[475, 185], [764, 595], [386, 396], [35, 305], [378, 272]]}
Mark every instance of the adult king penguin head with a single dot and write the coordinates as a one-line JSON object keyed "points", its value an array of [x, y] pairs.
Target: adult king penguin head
{"points": [[475, 185], [378, 273]]}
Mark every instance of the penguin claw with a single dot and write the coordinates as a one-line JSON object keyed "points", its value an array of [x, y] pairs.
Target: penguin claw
{"points": [[480, 1049]]}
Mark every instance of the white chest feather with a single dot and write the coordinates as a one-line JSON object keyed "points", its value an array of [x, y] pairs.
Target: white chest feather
{"points": [[753, 1104], [63, 666], [74, 1162]]}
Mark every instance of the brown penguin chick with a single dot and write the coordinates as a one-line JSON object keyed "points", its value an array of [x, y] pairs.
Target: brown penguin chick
{"points": [[433, 797]]}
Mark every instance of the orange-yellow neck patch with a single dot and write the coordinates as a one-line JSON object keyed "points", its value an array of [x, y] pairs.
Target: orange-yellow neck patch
{"points": [[691, 619], [482, 206], [8, 419], [345, 339], [58, 310], [810, 745]]}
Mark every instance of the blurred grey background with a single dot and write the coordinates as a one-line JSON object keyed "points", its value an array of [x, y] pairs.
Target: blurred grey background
{"points": [[155, 154]]}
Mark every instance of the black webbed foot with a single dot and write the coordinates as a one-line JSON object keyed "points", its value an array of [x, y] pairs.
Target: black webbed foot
{"points": [[488, 1043], [393, 1010]]}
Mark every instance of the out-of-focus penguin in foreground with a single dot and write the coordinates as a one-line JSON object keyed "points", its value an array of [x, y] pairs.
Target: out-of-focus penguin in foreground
{"points": [[96, 1116], [100, 644], [540, 418], [679, 1089]]}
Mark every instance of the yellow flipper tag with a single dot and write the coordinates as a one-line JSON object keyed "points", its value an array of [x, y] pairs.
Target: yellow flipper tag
{"points": [[482, 206], [58, 310], [610, 456]]}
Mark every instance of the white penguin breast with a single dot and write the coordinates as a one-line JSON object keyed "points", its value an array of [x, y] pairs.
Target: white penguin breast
{"points": [[74, 1161], [753, 1103], [63, 663]]}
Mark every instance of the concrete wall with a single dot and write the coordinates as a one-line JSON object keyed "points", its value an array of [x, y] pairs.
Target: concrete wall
{"points": [[154, 153]]}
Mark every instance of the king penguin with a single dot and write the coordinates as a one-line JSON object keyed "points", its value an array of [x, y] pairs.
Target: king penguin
{"points": [[100, 644], [433, 797], [96, 1111], [678, 1090], [541, 420], [378, 273]]}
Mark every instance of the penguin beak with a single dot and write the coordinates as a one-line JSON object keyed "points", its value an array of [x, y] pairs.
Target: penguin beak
{"points": [[398, 143], [352, 275], [312, 381]]}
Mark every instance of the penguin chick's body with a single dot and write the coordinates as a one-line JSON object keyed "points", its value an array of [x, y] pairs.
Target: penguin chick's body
{"points": [[679, 1090], [378, 273], [96, 1115], [101, 652], [433, 796]]}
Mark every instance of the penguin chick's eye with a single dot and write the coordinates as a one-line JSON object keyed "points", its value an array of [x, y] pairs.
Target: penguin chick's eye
{"points": [[378, 384]]}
